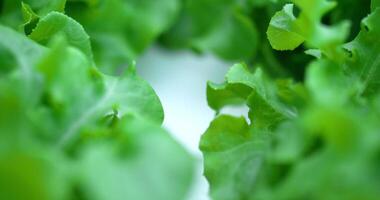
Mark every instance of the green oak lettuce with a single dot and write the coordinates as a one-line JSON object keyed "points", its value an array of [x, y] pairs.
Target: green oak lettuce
{"points": [[69, 131], [317, 138]]}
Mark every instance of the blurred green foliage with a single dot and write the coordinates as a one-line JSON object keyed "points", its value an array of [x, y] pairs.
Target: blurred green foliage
{"points": [[77, 122], [70, 131]]}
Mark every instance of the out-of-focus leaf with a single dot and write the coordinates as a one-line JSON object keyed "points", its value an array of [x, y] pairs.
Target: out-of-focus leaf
{"points": [[230, 35], [88, 95], [375, 4], [18, 84], [41, 174], [140, 164], [239, 36], [351, 10], [11, 15], [134, 24], [327, 84], [67, 130]]}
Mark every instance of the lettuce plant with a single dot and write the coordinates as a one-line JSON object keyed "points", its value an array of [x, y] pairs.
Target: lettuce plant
{"points": [[70, 131], [312, 139], [77, 122]]}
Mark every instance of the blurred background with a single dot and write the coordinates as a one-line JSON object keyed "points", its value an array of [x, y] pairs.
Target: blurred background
{"points": [[179, 78]]}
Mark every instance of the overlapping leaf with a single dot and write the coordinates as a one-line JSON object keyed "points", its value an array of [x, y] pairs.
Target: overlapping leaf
{"points": [[60, 116], [364, 61], [257, 90], [286, 31], [122, 30], [326, 150]]}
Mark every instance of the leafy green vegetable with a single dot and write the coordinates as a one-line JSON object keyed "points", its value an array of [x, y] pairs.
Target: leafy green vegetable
{"points": [[313, 139], [68, 131], [364, 62], [77, 122]]}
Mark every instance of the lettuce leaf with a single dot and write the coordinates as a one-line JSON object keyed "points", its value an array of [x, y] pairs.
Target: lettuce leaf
{"points": [[312, 139], [68, 131], [286, 32]]}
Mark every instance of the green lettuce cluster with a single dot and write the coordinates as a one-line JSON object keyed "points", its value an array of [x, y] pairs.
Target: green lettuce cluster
{"points": [[77, 122], [67, 129], [313, 138]]}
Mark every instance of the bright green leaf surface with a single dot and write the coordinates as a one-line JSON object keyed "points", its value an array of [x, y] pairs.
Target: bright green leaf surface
{"points": [[327, 148], [77, 122], [286, 32], [260, 93], [233, 157], [364, 61], [281, 32], [67, 131], [58, 23]]}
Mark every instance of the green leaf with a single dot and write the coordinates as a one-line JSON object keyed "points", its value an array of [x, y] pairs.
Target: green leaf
{"points": [[25, 50], [239, 38], [42, 174], [375, 4], [364, 61], [327, 84], [19, 83], [98, 94], [219, 95], [233, 157], [133, 24], [143, 163], [57, 23], [286, 32], [259, 92], [281, 32], [313, 139], [67, 131], [30, 18], [12, 16], [231, 35]]}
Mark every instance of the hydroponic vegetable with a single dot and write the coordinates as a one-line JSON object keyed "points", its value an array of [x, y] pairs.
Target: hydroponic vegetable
{"points": [[68, 131], [77, 122], [312, 139]]}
